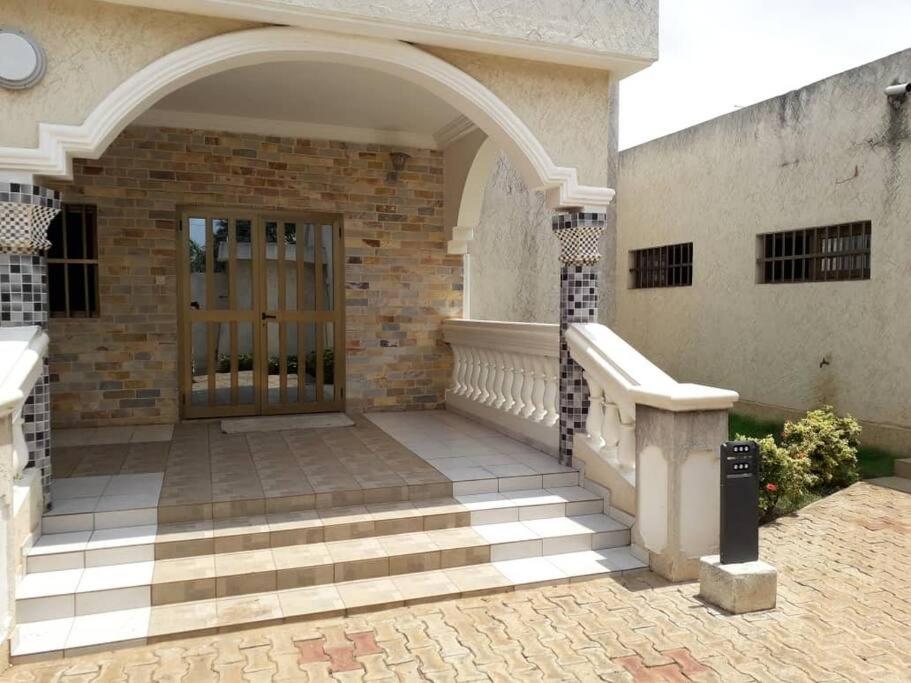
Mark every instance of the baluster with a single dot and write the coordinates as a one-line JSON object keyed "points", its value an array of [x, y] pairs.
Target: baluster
{"points": [[595, 418], [528, 386], [626, 453], [537, 394], [610, 430], [509, 379], [552, 388], [483, 393], [457, 362], [496, 379], [518, 384], [475, 384]]}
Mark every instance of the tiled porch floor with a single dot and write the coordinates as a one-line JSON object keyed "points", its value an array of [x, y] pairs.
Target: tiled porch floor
{"points": [[383, 453]]}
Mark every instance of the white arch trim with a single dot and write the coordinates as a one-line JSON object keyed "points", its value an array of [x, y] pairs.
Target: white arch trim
{"points": [[58, 143], [472, 198]]}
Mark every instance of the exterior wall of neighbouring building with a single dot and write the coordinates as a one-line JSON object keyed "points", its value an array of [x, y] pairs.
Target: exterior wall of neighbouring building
{"points": [[121, 368], [833, 152]]}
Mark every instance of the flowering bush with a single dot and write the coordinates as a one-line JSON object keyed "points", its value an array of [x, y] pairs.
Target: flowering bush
{"points": [[829, 442], [783, 476]]}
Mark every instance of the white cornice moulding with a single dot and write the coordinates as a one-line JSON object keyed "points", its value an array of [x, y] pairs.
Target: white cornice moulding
{"points": [[456, 129], [60, 143], [169, 118], [282, 12]]}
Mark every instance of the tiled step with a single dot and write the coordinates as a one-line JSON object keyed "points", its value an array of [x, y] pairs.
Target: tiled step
{"points": [[139, 625], [77, 549], [77, 592], [903, 468], [86, 504]]}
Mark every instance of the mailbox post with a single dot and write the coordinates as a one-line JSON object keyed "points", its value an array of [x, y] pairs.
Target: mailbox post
{"points": [[739, 502]]}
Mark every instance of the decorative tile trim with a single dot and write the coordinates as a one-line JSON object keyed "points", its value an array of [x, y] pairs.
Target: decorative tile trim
{"points": [[579, 233], [578, 304], [25, 213]]}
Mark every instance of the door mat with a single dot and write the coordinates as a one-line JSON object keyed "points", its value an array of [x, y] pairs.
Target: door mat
{"points": [[274, 423]]}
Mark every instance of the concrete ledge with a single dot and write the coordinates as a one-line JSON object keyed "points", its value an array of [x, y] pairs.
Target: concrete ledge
{"points": [[738, 588]]}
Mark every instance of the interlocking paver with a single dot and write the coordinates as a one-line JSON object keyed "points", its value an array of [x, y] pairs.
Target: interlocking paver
{"points": [[844, 613]]}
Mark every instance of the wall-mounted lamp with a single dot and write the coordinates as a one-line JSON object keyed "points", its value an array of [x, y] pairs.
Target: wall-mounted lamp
{"points": [[897, 92], [399, 159]]}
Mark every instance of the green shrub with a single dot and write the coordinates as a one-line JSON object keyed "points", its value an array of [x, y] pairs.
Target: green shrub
{"points": [[783, 478], [828, 442]]}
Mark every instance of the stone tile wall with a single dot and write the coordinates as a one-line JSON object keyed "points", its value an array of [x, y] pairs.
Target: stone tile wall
{"points": [[121, 368]]}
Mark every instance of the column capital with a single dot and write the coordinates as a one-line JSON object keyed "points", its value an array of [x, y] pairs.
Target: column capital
{"points": [[25, 212], [579, 233]]}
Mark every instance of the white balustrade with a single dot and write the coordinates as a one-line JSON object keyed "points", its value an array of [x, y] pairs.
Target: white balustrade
{"points": [[22, 353], [507, 374], [620, 378]]}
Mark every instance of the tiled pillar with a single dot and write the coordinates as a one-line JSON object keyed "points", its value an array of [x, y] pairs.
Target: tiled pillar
{"points": [[579, 234], [25, 212]]}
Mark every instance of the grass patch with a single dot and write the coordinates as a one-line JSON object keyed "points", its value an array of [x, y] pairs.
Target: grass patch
{"points": [[871, 462]]}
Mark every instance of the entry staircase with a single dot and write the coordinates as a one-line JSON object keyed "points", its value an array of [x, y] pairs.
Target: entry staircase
{"points": [[93, 585]]}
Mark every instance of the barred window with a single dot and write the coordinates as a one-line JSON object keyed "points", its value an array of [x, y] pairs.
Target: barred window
{"points": [[667, 266], [72, 262], [826, 253]]}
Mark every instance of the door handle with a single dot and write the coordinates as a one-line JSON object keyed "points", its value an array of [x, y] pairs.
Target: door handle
{"points": [[267, 316]]}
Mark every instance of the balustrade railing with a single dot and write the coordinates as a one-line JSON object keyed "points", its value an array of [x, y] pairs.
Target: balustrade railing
{"points": [[507, 374]]}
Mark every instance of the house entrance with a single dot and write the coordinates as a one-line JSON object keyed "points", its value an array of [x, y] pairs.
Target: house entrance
{"points": [[261, 313]]}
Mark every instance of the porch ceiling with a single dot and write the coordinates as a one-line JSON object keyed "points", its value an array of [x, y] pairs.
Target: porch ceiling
{"points": [[347, 102]]}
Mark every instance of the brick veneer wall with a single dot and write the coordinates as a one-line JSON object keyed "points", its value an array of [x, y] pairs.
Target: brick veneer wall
{"points": [[121, 368]]}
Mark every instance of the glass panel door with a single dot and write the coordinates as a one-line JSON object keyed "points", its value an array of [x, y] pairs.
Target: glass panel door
{"points": [[218, 337], [300, 291], [262, 314]]}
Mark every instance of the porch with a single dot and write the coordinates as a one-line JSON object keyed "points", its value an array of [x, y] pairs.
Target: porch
{"points": [[153, 540]]}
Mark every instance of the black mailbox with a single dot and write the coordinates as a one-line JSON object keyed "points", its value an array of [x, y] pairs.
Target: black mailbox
{"points": [[739, 502]]}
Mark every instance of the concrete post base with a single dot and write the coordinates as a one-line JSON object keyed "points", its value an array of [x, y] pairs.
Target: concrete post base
{"points": [[738, 588]]}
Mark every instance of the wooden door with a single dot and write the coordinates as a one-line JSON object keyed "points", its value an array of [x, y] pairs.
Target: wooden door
{"points": [[260, 300]]}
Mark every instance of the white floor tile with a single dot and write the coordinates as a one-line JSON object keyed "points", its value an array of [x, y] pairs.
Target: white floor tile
{"points": [[498, 515], [78, 487], [72, 506], [121, 555], [519, 483], [48, 583], [529, 570], [117, 576], [125, 502], [556, 526], [121, 536], [506, 533], [45, 609], [596, 562], [484, 501], [109, 627], [73, 541], [120, 518], [55, 563], [134, 484], [463, 488], [66, 523], [41, 636], [516, 550], [113, 600]]}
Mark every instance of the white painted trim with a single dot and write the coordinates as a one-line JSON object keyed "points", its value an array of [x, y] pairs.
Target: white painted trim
{"points": [[289, 129], [456, 129], [59, 143], [283, 12]]}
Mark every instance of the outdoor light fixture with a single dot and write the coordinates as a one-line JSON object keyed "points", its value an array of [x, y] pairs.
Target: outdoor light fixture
{"points": [[22, 61], [898, 91], [399, 159], [739, 502]]}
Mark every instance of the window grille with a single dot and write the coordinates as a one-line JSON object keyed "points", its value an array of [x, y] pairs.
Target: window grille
{"points": [[72, 262], [826, 253], [667, 266]]}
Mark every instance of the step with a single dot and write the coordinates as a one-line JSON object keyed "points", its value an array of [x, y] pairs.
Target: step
{"points": [[903, 468], [91, 508], [81, 591], [140, 625], [92, 548]]}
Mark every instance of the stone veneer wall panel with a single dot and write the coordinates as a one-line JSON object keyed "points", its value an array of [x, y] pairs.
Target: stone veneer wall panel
{"points": [[121, 368]]}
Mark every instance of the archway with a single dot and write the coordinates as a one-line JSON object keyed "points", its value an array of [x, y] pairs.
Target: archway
{"points": [[58, 143]]}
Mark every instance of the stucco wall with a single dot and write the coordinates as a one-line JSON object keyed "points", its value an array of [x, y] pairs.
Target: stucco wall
{"points": [[514, 268], [91, 48], [832, 152]]}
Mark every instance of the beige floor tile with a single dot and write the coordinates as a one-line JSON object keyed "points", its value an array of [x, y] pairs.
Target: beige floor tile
{"points": [[431, 584], [476, 578], [355, 550], [310, 601], [248, 608], [182, 618], [370, 592]]}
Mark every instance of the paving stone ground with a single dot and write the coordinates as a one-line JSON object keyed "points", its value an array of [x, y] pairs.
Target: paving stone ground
{"points": [[844, 614]]}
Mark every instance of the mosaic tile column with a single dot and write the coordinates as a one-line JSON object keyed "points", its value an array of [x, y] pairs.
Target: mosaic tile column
{"points": [[579, 234], [25, 212]]}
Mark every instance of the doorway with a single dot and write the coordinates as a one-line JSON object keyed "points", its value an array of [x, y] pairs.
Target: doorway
{"points": [[262, 313]]}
